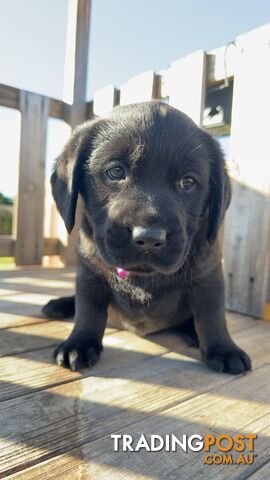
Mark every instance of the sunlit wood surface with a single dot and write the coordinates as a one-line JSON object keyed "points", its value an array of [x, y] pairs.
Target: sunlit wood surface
{"points": [[57, 424]]}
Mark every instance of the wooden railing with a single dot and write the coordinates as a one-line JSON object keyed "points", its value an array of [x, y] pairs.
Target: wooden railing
{"points": [[29, 246], [187, 84]]}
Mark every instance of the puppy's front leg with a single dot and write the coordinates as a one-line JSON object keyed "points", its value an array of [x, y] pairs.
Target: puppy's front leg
{"points": [[84, 345], [217, 348]]}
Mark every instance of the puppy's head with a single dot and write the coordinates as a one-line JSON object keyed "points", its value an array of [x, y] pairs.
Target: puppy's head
{"points": [[150, 180]]}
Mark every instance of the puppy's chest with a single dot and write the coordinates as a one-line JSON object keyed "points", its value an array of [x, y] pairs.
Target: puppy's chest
{"points": [[142, 311]]}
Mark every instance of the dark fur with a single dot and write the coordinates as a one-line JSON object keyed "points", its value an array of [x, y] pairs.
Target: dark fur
{"points": [[168, 285]]}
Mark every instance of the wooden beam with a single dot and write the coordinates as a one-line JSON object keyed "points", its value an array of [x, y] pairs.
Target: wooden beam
{"points": [[221, 64], [10, 98], [59, 109], [29, 244], [51, 246], [157, 84], [90, 109]]}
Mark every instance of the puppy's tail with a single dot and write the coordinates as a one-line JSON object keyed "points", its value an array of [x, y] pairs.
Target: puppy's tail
{"points": [[63, 307]]}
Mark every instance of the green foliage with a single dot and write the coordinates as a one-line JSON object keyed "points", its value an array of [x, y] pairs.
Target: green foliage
{"points": [[5, 220], [5, 200]]}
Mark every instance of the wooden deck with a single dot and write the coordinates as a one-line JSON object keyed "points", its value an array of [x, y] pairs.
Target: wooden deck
{"points": [[57, 424]]}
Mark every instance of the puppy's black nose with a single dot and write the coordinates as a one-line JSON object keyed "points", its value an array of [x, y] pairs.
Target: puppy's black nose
{"points": [[148, 239]]}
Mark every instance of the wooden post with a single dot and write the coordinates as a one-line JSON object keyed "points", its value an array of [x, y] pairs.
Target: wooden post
{"points": [[185, 84], [247, 233], [29, 244], [78, 112]]}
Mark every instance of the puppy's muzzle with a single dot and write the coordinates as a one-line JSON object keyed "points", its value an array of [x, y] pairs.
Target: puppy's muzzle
{"points": [[147, 239]]}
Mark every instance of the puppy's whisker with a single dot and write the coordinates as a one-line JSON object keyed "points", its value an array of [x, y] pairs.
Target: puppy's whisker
{"points": [[196, 148]]}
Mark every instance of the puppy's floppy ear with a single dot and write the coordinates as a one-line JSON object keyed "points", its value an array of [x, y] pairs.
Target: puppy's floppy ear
{"points": [[220, 190], [68, 170]]}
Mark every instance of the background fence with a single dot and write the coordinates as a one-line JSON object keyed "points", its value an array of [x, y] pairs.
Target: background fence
{"points": [[226, 91]]}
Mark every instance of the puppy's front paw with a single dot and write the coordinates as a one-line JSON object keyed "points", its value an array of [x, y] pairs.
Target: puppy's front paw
{"points": [[227, 359], [77, 353]]}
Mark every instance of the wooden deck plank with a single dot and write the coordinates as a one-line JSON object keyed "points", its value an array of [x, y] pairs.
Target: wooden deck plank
{"points": [[29, 338], [40, 371], [51, 274], [32, 337], [18, 309], [23, 292], [57, 424], [148, 369], [236, 323], [92, 408], [120, 350], [199, 414], [39, 285], [262, 473], [209, 416], [40, 331]]}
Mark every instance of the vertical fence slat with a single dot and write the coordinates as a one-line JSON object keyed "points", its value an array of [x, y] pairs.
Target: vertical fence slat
{"points": [[185, 84], [249, 143], [29, 244], [245, 243], [104, 100], [140, 88], [247, 224]]}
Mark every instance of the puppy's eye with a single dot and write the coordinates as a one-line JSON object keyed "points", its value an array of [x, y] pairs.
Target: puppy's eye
{"points": [[187, 183], [116, 173]]}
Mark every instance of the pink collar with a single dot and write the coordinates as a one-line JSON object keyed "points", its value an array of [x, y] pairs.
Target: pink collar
{"points": [[121, 272]]}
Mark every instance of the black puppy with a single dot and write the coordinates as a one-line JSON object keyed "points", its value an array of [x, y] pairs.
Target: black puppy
{"points": [[155, 191]]}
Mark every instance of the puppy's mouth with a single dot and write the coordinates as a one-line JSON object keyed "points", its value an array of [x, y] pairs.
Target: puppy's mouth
{"points": [[138, 264], [141, 270], [149, 268]]}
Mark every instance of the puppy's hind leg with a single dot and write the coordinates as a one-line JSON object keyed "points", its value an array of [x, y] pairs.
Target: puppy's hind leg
{"points": [[63, 307], [188, 330]]}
